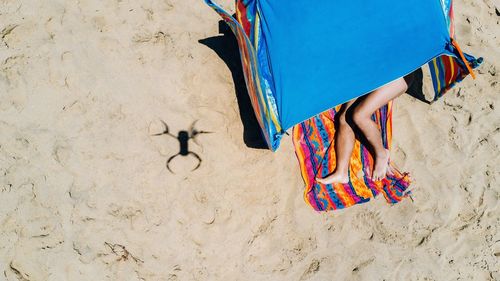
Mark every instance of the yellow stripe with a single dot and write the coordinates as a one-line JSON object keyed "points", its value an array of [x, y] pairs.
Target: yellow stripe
{"points": [[437, 75], [238, 16], [389, 124], [452, 70], [256, 30]]}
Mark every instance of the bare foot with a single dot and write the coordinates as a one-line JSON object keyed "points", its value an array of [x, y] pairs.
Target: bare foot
{"points": [[381, 164], [336, 177]]}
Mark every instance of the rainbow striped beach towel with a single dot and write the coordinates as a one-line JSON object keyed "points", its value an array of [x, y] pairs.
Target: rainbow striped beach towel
{"points": [[302, 61]]}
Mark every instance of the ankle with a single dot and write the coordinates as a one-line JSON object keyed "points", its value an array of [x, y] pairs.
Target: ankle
{"points": [[384, 153], [343, 172]]}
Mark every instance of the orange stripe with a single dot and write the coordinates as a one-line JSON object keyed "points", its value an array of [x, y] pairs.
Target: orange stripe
{"points": [[463, 58], [300, 155]]}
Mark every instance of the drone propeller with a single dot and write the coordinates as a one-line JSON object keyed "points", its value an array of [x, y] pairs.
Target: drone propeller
{"points": [[166, 131], [195, 132]]}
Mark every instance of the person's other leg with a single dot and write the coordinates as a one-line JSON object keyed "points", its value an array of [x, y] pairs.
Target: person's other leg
{"points": [[362, 118], [344, 144]]}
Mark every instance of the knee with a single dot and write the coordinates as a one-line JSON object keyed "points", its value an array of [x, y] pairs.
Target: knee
{"points": [[401, 85], [342, 120], [359, 117], [404, 86]]}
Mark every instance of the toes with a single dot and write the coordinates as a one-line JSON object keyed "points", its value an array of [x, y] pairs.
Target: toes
{"points": [[390, 171], [376, 177]]}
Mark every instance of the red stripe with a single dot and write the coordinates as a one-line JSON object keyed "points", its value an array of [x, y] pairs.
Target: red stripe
{"points": [[241, 11], [447, 70]]}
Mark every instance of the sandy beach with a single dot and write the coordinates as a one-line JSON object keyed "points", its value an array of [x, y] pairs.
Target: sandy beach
{"points": [[85, 193]]}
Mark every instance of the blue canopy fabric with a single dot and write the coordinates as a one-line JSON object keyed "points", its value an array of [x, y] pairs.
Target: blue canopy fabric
{"points": [[329, 52], [302, 57]]}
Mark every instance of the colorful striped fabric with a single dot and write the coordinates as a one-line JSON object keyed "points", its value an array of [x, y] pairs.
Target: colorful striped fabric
{"points": [[314, 143], [447, 6], [449, 69], [256, 67], [314, 138]]}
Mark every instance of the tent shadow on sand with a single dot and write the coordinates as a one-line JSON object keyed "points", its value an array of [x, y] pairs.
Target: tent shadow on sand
{"points": [[226, 47]]}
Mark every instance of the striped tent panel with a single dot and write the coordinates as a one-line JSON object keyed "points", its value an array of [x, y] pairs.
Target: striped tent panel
{"points": [[255, 67], [448, 69], [447, 6]]}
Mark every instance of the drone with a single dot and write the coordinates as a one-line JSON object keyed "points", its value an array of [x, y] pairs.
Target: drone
{"points": [[183, 137]]}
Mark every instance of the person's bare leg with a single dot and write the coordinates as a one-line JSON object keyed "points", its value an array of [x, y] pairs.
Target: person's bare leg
{"points": [[362, 118], [344, 145]]}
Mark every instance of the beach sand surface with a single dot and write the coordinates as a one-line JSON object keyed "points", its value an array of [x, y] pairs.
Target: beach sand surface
{"points": [[85, 193]]}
